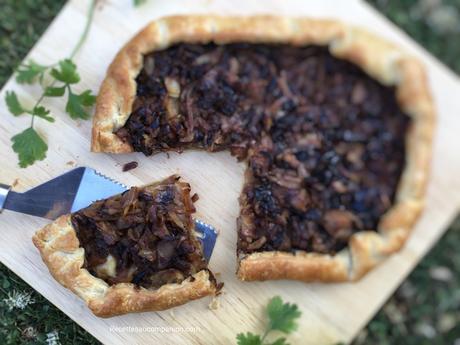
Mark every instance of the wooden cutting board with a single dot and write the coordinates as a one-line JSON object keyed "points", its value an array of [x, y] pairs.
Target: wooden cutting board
{"points": [[330, 313]]}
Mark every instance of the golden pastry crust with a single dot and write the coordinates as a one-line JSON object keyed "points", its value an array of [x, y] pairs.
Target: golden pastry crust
{"points": [[60, 249], [382, 60]]}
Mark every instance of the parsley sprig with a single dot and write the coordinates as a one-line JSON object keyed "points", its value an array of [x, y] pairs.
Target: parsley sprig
{"points": [[139, 2], [63, 75], [282, 317]]}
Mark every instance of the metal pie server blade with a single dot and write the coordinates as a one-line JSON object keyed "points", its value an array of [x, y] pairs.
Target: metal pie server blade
{"points": [[75, 190]]}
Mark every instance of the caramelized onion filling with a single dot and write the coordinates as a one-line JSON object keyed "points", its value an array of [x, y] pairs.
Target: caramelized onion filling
{"points": [[324, 143]]}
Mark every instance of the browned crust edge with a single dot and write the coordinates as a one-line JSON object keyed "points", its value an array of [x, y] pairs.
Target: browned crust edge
{"points": [[382, 60], [61, 252]]}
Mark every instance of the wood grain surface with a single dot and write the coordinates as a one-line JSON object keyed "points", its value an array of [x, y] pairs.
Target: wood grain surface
{"points": [[331, 313]]}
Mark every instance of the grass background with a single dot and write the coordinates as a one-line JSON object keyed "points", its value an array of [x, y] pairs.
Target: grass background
{"points": [[424, 310]]}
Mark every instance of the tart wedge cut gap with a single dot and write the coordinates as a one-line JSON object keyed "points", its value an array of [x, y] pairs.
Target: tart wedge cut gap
{"points": [[334, 124], [136, 251]]}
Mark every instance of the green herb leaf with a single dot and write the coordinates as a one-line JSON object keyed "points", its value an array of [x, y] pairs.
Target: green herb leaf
{"points": [[29, 146], [280, 341], [76, 104], [67, 72], [282, 316], [13, 104], [43, 113], [54, 91], [139, 2], [248, 339], [87, 99], [27, 73]]}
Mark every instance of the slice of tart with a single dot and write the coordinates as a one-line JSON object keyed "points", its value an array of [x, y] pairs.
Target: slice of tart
{"points": [[335, 126], [132, 252]]}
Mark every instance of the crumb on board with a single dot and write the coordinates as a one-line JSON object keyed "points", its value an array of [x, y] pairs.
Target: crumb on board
{"points": [[130, 166], [71, 163], [15, 182], [214, 304]]}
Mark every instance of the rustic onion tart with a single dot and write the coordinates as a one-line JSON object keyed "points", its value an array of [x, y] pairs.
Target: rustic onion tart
{"points": [[335, 126], [132, 252]]}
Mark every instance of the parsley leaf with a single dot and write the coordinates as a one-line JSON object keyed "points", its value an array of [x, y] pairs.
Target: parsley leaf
{"points": [[13, 104], [282, 315], [76, 104], [54, 91], [27, 73], [67, 72], [43, 113], [248, 339], [139, 2], [29, 146], [87, 99]]}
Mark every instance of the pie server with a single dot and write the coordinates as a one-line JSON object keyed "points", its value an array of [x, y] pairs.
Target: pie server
{"points": [[75, 190]]}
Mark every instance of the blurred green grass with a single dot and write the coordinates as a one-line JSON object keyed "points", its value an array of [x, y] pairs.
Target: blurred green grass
{"points": [[424, 310], [435, 24]]}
